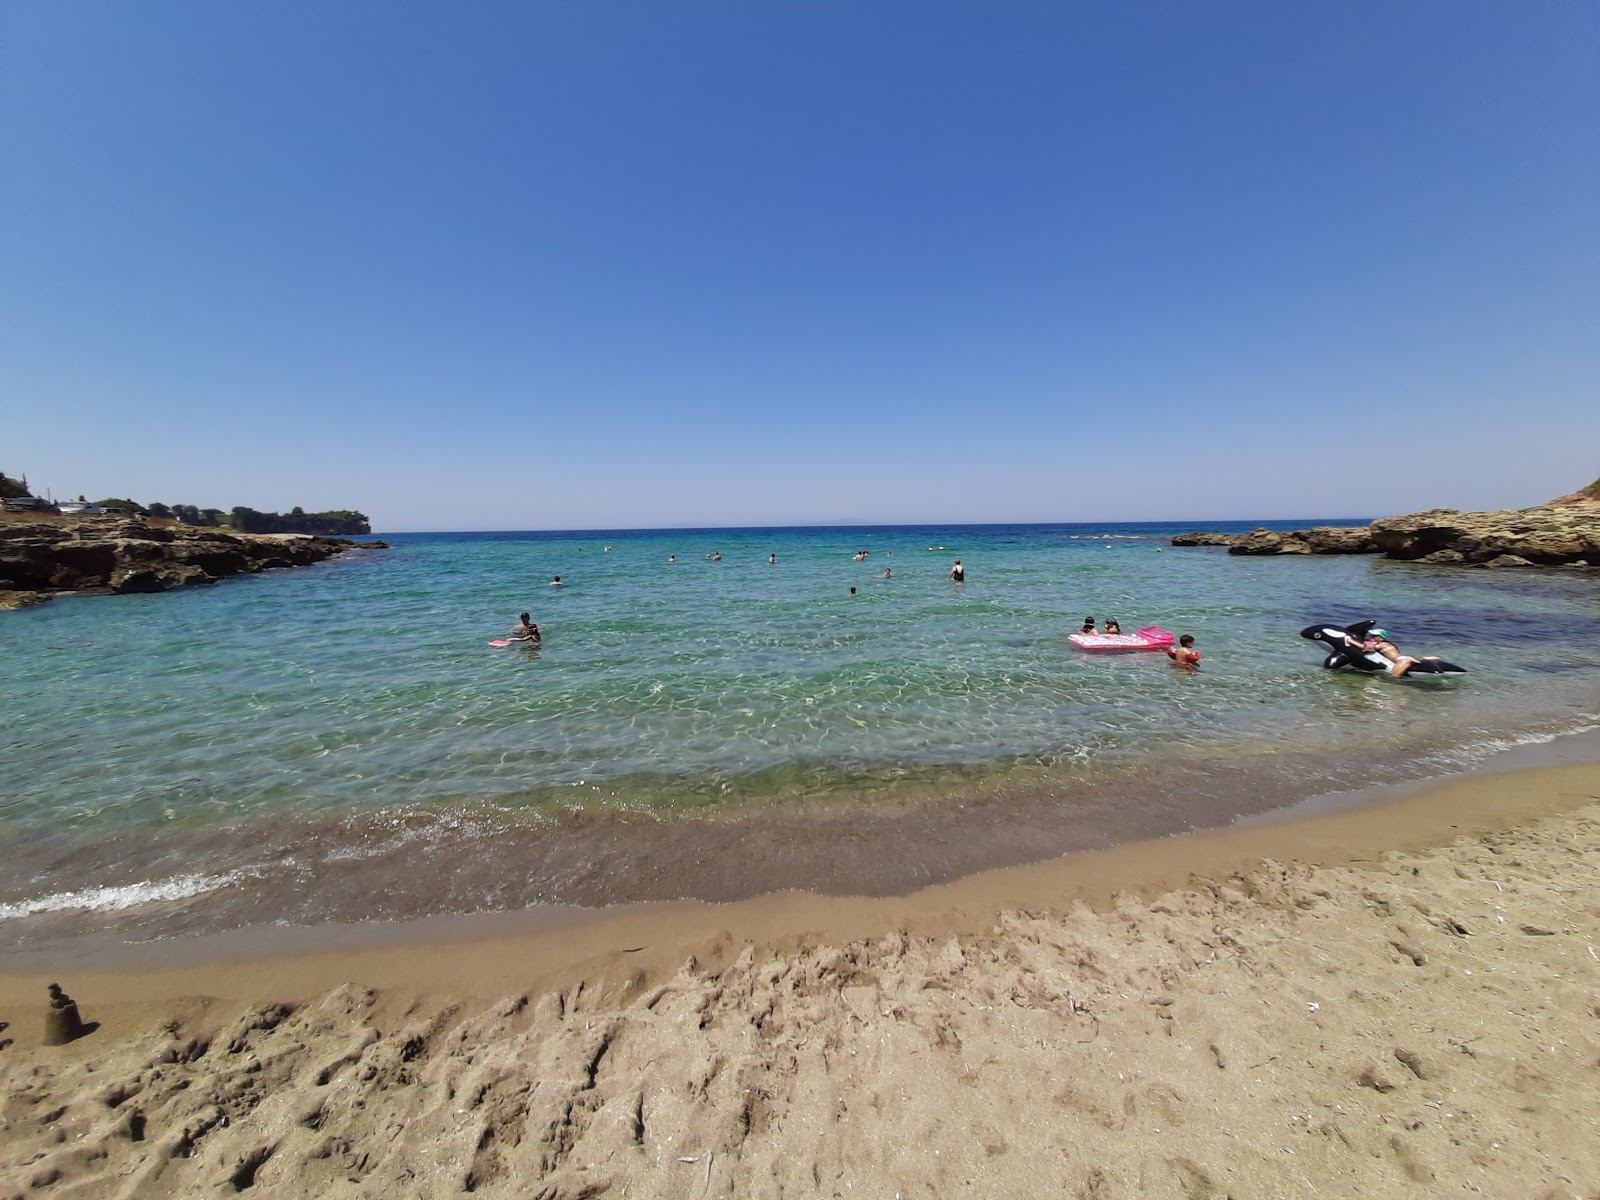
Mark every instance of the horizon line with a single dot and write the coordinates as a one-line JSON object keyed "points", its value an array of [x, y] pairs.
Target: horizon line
{"points": [[1197, 526]]}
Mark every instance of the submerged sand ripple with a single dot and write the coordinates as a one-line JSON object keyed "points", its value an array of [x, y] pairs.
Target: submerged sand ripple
{"points": [[1426, 1025]]}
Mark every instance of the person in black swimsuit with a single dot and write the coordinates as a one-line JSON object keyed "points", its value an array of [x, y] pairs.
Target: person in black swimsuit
{"points": [[958, 573]]}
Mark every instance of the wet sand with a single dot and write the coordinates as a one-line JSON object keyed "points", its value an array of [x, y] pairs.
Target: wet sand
{"points": [[1393, 1000]]}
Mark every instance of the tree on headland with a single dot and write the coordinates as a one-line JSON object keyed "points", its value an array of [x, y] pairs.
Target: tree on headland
{"points": [[10, 487], [297, 520]]}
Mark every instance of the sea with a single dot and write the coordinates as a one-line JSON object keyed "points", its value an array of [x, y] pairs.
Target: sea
{"points": [[340, 744]]}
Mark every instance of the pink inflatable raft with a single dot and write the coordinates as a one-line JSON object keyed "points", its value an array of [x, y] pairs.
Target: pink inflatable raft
{"points": [[1151, 637]]}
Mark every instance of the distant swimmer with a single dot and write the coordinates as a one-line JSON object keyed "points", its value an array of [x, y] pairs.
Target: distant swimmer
{"points": [[525, 631], [1184, 654], [772, 558], [860, 554], [556, 582], [717, 557], [1088, 625], [1112, 628], [887, 574], [852, 591], [672, 558], [958, 573], [607, 550]]}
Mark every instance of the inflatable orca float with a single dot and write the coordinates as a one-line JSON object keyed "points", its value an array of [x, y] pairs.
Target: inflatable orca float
{"points": [[1346, 650]]}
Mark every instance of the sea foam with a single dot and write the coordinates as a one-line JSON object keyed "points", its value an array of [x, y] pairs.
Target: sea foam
{"points": [[114, 899]]}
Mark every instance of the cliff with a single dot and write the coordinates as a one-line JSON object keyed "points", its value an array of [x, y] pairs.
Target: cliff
{"points": [[114, 554]]}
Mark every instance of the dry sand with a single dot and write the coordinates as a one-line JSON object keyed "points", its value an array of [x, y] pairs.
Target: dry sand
{"points": [[1402, 1000]]}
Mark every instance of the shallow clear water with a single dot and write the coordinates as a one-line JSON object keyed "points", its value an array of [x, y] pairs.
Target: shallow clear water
{"points": [[366, 685]]}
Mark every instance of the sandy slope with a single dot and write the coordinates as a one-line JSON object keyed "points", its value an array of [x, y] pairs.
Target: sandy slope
{"points": [[1423, 1025]]}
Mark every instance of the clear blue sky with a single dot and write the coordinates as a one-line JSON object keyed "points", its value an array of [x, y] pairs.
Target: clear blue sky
{"points": [[535, 265]]}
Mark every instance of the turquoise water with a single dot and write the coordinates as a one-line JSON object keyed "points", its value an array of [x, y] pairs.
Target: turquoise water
{"points": [[366, 685]]}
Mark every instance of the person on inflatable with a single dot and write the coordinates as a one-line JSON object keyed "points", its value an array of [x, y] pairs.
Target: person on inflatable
{"points": [[1184, 654], [1399, 664], [1112, 628], [1088, 625]]}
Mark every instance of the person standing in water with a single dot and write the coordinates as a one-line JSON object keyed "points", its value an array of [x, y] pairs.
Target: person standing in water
{"points": [[772, 559], [525, 631], [1184, 654], [958, 573], [556, 582]]}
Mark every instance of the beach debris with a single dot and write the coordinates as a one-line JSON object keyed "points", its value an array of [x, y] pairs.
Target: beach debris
{"points": [[1412, 1062], [62, 1024], [1536, 931], [1312, 1006], [1372, 1078]]}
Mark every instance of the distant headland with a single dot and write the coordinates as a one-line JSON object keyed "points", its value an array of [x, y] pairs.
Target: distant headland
{"points": [[16, 497], [115, 545]]}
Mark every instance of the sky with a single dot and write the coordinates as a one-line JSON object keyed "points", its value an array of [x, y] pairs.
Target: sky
{"points": [[529, 265]]}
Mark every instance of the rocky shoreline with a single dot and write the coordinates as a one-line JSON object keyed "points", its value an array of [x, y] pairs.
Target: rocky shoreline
{"points": [[41, 559], [1565, 532]]}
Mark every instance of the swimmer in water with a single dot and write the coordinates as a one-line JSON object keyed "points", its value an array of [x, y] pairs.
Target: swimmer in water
{"points": [[887, 574], [1088, 625], [771, 559], [1112, 628], [525, 631], [958, 573], [1184, 654], [556, 582]]}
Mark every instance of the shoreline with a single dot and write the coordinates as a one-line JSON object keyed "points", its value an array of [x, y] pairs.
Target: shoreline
{"points": [[1331, 829], [1389, 1000], [355, 880]]}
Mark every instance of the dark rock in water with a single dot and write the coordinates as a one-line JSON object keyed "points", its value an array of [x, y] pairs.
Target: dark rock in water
{"points": [[1508, 560], [1203, 539], [62, 1024], [1443, 558], [16, 599], [129, 555]]}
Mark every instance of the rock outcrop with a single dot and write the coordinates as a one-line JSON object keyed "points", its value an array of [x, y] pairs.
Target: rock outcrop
{"points": [[1564, 532], [1549, 535], [1323, 539], [131, 555]]}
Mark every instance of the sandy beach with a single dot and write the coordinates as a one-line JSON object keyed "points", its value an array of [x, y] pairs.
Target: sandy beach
{"points": [[1395, 1000]]}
